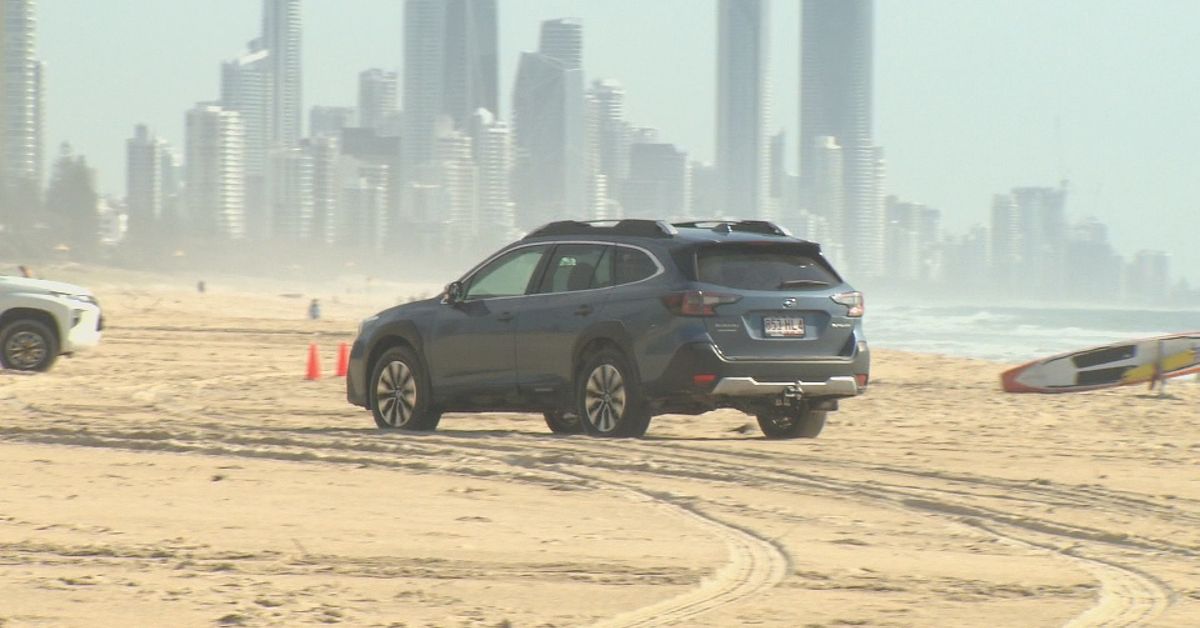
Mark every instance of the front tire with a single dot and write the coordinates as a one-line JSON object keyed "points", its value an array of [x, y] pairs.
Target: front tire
{"points": [[609, 397], [792, 423], [28, 345], [561, 422], [399, 391]]}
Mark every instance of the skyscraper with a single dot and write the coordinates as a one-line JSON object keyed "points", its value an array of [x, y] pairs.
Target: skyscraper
{"points": [[290, 195], [492, 144], [1041, 218], [836, 48], [282, 38], [550, 181], [3, 102], [144, 182], [246, 87], [471, 58], [326, 185], [21, 93], [562, 39], [742, 44], [330, 121], [215, 172], [606, 100], [424, 79], [378, 97], [450, 69], [458, 177], [658, 182]]}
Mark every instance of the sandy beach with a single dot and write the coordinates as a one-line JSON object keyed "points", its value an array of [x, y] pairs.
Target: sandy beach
{"points": [[184, 473]]}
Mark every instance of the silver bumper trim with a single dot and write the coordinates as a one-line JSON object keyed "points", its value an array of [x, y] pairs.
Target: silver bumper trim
{"points": [[843, 386]]}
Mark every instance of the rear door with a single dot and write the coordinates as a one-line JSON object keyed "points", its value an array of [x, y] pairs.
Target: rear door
{"points": [[569, 298], [785, 310]]}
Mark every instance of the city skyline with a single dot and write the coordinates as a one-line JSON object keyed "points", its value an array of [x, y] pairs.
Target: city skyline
{"points": [[1049, 150]]}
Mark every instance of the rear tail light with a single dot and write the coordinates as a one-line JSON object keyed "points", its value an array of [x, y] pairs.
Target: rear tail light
{"points": [[861, 379], [855, 305], [697, 302], [704, 379]]}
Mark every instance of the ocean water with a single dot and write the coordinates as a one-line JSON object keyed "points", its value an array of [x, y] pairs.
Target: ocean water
{"points": [[1014, 334]]}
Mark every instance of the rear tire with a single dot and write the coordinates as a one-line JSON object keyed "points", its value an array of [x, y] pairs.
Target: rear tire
{"points": [[28, 345], [608, 397], [399, 393], [561, 422], [792, 423]]}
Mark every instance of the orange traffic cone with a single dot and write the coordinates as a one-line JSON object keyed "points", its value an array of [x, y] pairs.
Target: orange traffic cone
{"points": [[343, 362], [314, 363]]}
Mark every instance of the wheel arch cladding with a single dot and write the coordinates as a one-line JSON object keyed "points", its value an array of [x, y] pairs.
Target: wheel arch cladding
{"points": [[611, 334], [399, 334], [41, 316]]}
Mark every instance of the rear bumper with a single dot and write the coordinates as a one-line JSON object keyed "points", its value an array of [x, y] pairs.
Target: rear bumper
{"points": [[698, 371], [838, 386]]}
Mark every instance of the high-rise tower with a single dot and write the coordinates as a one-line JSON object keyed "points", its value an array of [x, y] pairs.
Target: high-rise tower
{"points": [[424, 79], [562, 39], [215, 172], [246, 87], [742, 149], [606, 98], [551, 178], [450, 69], [378, 97], [471, 58], [282, 38], [144, 182], [836, 48], [21, 152]]}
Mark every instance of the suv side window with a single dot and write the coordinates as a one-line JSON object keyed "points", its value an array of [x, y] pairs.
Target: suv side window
{"points": [[632, 265], [506, 276], [572, 267]]}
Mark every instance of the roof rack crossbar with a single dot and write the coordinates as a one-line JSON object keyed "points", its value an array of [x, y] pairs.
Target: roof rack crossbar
{"points": [[748, 226], [629, 226]]}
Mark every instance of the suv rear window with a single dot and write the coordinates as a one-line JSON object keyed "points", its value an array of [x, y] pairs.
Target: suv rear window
{"points": [[764, 267]]}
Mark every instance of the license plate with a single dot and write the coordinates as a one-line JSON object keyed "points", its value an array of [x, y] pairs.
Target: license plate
{"points": [[783, 326]]}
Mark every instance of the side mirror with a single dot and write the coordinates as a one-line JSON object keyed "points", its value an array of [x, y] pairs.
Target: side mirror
{"points": [[453, 293]]}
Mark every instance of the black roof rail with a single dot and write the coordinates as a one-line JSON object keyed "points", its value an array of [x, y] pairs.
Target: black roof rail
{"points": [[748, 226], [629, 227]]}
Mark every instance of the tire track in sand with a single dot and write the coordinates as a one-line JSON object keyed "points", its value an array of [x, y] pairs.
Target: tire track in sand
{"points": [[1127, 596], [755, 565]]}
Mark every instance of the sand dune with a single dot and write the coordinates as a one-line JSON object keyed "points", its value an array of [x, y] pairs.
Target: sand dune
{"points": [[185, 473]]}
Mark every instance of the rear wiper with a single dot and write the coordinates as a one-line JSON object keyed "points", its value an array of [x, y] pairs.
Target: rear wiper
{"points": [[804, 283]]}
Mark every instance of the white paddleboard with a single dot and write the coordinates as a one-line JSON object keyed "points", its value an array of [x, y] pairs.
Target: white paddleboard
{"points": [[1118, 364]]}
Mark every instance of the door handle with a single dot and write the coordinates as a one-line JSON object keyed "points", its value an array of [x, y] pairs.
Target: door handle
{"points": [[583, 310], [504, 317]]}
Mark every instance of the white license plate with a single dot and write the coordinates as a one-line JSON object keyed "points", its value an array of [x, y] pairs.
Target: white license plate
{"points": [[783, 326]]}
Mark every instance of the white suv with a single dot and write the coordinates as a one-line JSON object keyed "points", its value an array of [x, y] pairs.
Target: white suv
{"points": [[41, 320]]}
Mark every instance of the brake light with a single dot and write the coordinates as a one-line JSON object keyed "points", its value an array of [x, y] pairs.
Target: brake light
{"points": [[697, 302], [861, 379], [855, 305]]}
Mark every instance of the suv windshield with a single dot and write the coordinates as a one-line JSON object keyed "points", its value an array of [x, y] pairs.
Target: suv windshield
{"points": [[764, 267]]}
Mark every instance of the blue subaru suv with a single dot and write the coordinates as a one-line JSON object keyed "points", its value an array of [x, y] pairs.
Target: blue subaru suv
{"points": [[602, 325]]}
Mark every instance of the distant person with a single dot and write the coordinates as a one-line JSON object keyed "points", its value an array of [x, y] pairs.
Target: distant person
{"points": [[314, 310], [200, 286], [25, 271]]}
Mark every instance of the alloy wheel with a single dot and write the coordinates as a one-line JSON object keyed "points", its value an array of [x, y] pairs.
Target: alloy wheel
{"points": [[25, 350], [396, 393], [605, 398]]}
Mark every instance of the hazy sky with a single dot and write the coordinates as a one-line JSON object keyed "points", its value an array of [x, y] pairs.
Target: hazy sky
{"points": [[971, 98]]}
